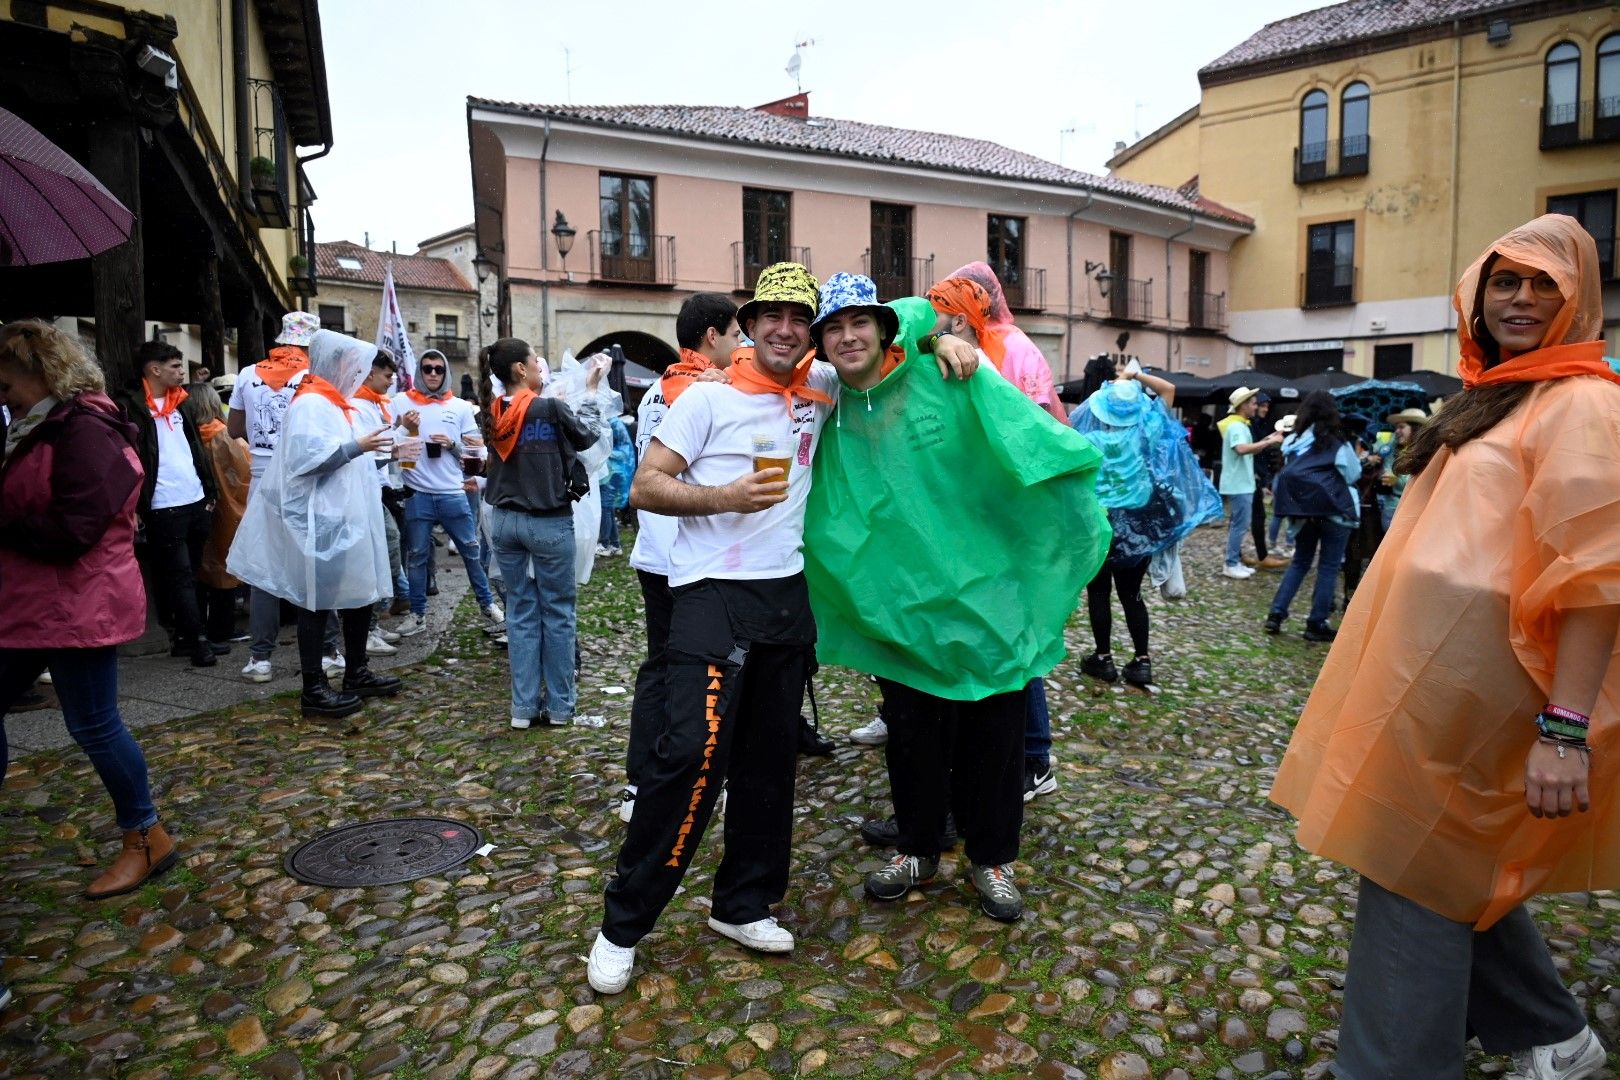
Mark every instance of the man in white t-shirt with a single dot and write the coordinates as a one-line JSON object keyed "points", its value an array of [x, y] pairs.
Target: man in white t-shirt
{"points": [[443, 423]]}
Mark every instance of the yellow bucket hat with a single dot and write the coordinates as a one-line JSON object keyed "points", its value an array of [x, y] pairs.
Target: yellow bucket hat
{"points": [[781, 283]]}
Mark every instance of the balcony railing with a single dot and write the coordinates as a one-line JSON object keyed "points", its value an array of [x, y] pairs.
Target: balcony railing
{"points": [[631, 259], [1206, 310], [1131, 300], [454, 348], [893, 282], [1580, 123], [303, 284], [1329, 286], [1023, 286], [745, 270], [1332, 159]]}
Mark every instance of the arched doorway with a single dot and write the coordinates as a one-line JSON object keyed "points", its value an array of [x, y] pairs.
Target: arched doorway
{"points": [[646, 357]]}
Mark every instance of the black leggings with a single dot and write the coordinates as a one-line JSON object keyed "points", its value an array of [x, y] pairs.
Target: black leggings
{"points": [[1125, 578], [312, 637]]}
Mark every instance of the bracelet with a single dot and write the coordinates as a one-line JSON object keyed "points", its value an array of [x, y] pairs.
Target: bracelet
{"points": [[1551, 725], [1560, 744], [927, 344], [1566, 714]]}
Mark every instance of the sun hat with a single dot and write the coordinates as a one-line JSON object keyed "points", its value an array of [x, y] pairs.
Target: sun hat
{"points": [[1286, 424], [223, 384], [843, 291], [780, 283], [1119, 403], [1239, 396], [297, 328], [1409, 416]]}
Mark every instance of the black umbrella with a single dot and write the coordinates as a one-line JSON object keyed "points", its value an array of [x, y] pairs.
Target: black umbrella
{"points": [[1331, 379], [1434, 383], [1221, 386]]}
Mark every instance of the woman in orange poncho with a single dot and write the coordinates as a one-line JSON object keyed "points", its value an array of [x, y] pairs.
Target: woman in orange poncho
{"points": [[1492, 603], [229, 460]]}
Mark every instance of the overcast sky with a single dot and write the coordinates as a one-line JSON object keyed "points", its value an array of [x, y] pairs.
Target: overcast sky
{"points": [[1018, 72]]}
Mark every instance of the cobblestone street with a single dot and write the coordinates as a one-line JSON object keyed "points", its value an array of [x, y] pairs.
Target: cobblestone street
{"points": [[1173, 929]]}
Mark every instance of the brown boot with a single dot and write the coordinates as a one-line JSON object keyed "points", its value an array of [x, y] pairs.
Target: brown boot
{"points": [[147, 853]]}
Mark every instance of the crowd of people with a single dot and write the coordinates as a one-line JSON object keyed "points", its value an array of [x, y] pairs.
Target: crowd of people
{"points": [[1451, 752]]}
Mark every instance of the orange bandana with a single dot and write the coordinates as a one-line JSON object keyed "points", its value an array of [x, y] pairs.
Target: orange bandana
{"points": [[424, 399], [172, 398], [509, 420], [209, 429], [314, 384], [960, 296], [678, 376], [285, 361], [1553, 362], [747, 377], [366, 393]]}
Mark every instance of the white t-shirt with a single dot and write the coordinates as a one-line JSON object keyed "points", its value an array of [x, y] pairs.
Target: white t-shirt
{"points": [[262, 410], [177, 481], [655, 533], [712, 426], [450, 416], [368, 417]]}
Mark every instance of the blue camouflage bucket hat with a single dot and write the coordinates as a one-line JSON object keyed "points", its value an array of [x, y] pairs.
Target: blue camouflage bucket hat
{"points": [[842, 291]]}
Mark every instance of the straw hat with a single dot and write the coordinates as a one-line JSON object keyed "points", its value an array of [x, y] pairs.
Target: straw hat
{"points": [[1239, 396], [1409, 416]]}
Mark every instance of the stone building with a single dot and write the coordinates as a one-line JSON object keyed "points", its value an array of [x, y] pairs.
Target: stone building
{"points": [[438, 304]]}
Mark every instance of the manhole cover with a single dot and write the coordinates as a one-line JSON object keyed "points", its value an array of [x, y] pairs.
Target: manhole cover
{"points": [[383, 852]]}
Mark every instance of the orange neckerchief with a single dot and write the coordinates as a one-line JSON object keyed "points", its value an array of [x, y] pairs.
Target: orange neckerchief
{"points": [[314, 384], [961, 296], [284, 362], [207, 430], [678, 376], [509, 420], [366, 393], [746, 376], [172, 397], [893, 357], [1554, 362], [430, 399]]}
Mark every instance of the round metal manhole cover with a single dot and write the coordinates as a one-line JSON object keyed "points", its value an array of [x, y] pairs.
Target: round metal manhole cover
{"points": [[383, 852]]}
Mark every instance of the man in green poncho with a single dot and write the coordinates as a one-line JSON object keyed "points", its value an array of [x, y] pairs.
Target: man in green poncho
{"points": [[989, 531]]}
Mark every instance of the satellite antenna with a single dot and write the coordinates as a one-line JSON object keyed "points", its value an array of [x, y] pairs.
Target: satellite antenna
{"points": [[793, 64]]}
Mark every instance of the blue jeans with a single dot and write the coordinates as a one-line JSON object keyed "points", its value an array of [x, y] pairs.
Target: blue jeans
{"points": [[485, 548], [608, 534], [1332, 537], [536, 555], [1239, 510], [87, 685], [1037, 721], [422, 512]]}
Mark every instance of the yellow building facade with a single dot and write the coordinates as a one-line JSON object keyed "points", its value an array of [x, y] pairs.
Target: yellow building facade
{"points": [[1378, 165]]}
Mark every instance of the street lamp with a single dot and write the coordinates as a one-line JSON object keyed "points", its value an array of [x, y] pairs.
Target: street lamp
{"points": [[1104, 278], [564, 233], [483, 266]]}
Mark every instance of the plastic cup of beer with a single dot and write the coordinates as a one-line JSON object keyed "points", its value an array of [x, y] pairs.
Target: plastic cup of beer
{"points": [[771, 452]]}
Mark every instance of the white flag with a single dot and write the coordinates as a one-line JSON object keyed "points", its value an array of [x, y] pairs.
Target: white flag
{"points": [[391, 333]]}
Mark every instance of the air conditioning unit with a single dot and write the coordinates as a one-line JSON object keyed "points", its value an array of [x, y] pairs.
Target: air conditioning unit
{"points": [[1377, 326]]}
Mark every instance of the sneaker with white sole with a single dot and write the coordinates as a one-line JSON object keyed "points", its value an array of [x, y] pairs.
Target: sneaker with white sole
{"points": [[1038, 778], [627, 803], [874, 734], [1238, 573], [257, 671], [333, 665], [494, 620], [1576, 1058], [386, 634], [999, 898], [376, 646], [900, 875], [411, 625], [761, 935], [608, 969]]}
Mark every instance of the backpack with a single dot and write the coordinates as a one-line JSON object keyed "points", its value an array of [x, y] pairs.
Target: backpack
{"points": [[1311, 486]]}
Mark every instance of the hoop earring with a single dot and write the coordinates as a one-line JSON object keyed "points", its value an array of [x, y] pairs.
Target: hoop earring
{"points": [[1474, 326]]}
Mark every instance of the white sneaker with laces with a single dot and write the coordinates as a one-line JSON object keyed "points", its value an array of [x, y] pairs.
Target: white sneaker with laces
{"points": [[494, 619], [333, 665], [257, 671], [376, 646], [1576, 1058], [627, 803], [386, 634], [608, 969], [761, 935], [411, 624], [874, 734], [1237, 573]]}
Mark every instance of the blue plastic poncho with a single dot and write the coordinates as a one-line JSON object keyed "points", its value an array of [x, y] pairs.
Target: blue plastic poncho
{"points": [[621, 466]]}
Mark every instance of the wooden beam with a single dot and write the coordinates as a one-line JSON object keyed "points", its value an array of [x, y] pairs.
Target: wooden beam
{"points": [[117, 274]]}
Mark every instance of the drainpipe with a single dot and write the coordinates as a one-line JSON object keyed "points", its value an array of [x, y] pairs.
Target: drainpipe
{"points": [[244, 133], [1456, 147], [545, 216], [1068, 334], [1170, 289]]}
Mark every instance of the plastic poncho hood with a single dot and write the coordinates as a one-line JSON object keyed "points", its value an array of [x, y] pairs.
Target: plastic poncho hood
{"points": [[949, 530], [313, 532]]}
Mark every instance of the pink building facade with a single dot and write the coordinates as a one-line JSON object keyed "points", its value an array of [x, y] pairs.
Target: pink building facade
{"points": [[666, 201]]}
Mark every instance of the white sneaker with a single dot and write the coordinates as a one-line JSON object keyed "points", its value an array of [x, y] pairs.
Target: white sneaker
{"points": [[411, 624], [874, 734], [522, 724], [376, 646], [608, 969], [494, 619], [603, 550], [257, 671], [627, 803], [761, 935], [1576, 1058], [333, 665], [1237, 573], [386, 634]]}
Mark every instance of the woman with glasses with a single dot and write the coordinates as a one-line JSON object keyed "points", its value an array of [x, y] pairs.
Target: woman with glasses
{"points": [[1459, 748]]}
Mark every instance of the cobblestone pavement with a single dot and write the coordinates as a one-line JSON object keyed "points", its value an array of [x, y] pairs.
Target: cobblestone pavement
{"points": [[1173, 929]]}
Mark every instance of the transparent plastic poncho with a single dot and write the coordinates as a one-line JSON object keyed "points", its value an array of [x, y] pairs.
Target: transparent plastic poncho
{"points": [[568, 385]]}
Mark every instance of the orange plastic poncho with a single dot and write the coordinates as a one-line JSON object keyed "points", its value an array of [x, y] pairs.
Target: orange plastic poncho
{"points": [[229, 459], [1408, 763]]}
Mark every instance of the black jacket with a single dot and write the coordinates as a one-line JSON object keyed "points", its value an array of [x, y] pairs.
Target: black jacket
{"points": [[133, 401], [534, 479]]}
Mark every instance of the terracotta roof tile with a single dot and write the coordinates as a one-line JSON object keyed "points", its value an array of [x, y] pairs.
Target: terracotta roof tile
{"points": [[410, 271], [1344, 23], [853, 139]]}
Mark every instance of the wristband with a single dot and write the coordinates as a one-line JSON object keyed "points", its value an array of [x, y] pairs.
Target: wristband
{"points": [[1554, 728], [1566, 714], [927, 344]]}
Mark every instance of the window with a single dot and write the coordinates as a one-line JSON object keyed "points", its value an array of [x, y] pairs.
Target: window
{"points": [[1561, 106], [1595, 210], [891, 250], [1330, 264], [446, 326], [1354, 108], [1607, 122], [767, 231], [1313, 144], [1127, 297], [348, 262], [1004, 247], [1203, 309], [333, 317], [1391, 361], [626, 204]]}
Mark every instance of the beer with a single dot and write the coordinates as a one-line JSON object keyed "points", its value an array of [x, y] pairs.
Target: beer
{"points": [[410, 448], [771, 452], [773, 463]]}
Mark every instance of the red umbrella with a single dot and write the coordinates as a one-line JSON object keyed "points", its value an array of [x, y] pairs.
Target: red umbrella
{"points": [[51, 208]]}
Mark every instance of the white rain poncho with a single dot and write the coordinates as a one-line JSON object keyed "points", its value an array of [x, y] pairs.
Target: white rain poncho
{"points": [[569, 385], [313, 532]]}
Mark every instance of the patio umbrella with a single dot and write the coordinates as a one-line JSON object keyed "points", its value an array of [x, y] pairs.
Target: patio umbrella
{"points": [[51, 208], [1275, 385], [1376, 398], [1434, 383], [1331, 379]]}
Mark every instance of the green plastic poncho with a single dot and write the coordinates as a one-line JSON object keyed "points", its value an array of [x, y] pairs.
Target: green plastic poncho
{"points": [[950, 529]]}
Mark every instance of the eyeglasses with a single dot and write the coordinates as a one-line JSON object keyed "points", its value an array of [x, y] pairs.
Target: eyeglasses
{"points": [[1503, 286]]}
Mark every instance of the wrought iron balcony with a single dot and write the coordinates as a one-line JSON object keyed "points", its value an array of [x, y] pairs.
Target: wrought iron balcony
{"points": [[631, 259], [745, 269], [1580, 123], [1206, 310], [1332, 159], [899, 277], [1131, 300], [1328, 286], [1023, 286]]}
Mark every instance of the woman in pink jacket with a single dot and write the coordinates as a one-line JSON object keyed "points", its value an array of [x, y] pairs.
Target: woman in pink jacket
{"points": [[70, 590]]}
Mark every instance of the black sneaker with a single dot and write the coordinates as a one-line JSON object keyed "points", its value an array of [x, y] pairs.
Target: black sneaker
{"points": [[1274, 623], [1038, 777], [363, 682], [1319, 632], [998, 896], [900, 875], [1139, 672], [886, 832], [1101, 667], [811, 742]]}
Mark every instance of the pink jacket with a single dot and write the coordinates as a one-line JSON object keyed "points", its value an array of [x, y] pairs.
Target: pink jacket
{"points": [[68, 491]]}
